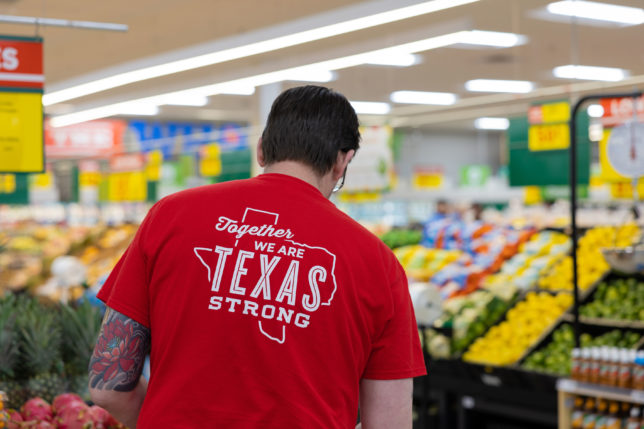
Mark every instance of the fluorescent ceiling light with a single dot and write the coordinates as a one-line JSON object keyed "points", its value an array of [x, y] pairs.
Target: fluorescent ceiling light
{"points": [[493, 85], [251, 49], [239, 90], [312, 75], [595, 110], [597, 11], [492, 123], [370, 107], [422, 97], [492, 38], [189, 101], [138, 109], [606, 74], [267, 78], [396, 60]]}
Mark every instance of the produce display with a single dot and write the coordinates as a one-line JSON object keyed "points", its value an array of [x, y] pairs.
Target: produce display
{"points": [[591, 263], [32, 258], [401, 237], [67, 411], [469, 317], [621, 299], [505, 343], [541, 252], [422, 263], [45, 347], [554, 358]]}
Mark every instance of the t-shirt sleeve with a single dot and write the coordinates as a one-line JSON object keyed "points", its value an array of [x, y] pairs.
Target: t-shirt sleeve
{"points": [[397, 352], [126, 288]]}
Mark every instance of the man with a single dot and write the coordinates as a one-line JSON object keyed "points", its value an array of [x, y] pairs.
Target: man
{"points": [[260, 303]]}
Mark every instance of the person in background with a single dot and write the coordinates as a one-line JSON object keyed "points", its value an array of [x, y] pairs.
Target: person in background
{"points": [[260, 303]]}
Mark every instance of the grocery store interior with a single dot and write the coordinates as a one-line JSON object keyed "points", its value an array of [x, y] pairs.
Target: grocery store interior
{"points": [[501, 154]]}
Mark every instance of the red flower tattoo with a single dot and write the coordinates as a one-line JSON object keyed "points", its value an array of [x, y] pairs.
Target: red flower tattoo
{"points": [[119, 353], [116, 350]]}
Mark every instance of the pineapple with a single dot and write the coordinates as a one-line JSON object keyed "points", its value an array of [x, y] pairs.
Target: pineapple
{"points": [[80, 328], [40, 338], [9, 354]]}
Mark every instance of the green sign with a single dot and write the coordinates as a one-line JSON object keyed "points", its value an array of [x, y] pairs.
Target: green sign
{"points": [[14, 189], [475, 175], [545, 167]]}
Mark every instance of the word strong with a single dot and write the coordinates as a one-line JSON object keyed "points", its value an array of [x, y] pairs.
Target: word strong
{"points": [[266, 275]]}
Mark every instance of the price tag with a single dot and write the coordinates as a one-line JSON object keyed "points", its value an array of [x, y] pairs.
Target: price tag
{"points": [[428, 177], [210, 162], [7, 183], [89, 179], [43, 180], [548, 137], [555, 112], [153, 167], [566, 385]]}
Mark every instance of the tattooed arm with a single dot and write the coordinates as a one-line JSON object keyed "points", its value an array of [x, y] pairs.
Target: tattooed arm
{"points": [[115, 381]]}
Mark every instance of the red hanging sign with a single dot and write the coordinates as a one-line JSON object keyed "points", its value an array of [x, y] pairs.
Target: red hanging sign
{"points": [[21, 63]]}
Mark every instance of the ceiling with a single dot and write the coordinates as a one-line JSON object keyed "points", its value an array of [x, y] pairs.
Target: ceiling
{"points": [[168, 29]]}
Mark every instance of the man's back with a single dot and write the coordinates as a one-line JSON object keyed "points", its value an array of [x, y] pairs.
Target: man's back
{"points": [[266, 307]]}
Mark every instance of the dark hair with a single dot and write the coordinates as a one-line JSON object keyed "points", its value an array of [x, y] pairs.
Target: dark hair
{"points": [[310, 124]]}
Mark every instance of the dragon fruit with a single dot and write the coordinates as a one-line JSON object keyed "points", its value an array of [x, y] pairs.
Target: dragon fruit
{"points": [[37, 409], [36, 424], [100, 416], [75, 417], [63, 400], [15, 419]]}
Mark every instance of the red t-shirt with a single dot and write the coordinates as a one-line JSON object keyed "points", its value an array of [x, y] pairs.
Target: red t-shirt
{"points": [[266, 306]]}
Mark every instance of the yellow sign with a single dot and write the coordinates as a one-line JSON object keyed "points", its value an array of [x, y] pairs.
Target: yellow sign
{"points": [[127, 186], [624, 190], [153, 167], [548, 137], [427, 180], [210, 162], [89, 179], [7, 183], [532, 195], [43, 180], [22, 148], [359, 197], [555, 112]]}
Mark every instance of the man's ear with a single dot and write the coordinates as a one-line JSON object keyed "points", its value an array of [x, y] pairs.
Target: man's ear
{"points": [[341, 163], [260, 154]]}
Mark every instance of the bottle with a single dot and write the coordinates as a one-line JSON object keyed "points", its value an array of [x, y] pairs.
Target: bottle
{"points": [[602, 414], [584, 369], [613, 421], [575, 369], [614, 367], [604, 365], [624, 378], [577, 417], [595, 356], [589, 414], [638, 371], [633, 421]]}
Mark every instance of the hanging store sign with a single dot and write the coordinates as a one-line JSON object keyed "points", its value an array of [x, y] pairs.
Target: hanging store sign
{"points": [[88, 139], [21, 64], [21, 111], [210, 160], [127, 162], [429, 177], [21, 132], [373, 165], [549, 128], [127, 186], [620, 110]]}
